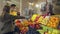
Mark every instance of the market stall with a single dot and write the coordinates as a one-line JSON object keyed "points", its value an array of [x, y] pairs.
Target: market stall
{"points": [[39, 23]]}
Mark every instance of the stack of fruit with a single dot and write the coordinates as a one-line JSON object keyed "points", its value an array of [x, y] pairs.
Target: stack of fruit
{"points": [[43, 20], [35, 17], [18, 23], [23, 26], [39, 19], [55, 31], [24, 30], [53, 22], [25, 23]]}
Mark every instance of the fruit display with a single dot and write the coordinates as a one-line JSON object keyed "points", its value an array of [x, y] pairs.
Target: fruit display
{"points": [[43, 20], [48, 30], [25, 22], [49, 24], [50, 21], [23, 27], [40, 19], [53, 22], [35, 17], [18, 23], [24, 30]]}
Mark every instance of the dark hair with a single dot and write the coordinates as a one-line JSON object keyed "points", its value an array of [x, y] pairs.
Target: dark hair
{"points": [[13, 5], [6, 8]]}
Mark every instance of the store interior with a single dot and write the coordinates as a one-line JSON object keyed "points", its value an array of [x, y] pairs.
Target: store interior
{"points": [[30, 17]]}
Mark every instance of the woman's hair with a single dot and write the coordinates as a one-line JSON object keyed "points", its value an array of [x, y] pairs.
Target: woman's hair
{"points": [[13, 5]]}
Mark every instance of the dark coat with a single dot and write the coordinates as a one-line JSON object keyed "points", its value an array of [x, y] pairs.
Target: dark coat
{"points": [[6, 21]]}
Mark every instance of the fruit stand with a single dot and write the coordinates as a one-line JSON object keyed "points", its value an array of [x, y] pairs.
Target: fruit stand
{"points": [[49, 24], [39, 23]]}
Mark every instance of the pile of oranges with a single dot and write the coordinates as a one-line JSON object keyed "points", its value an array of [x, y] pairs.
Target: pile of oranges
{"points": [[53, 22]]}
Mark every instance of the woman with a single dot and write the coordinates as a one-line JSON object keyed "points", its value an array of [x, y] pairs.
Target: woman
{"points": [[8, 27]]}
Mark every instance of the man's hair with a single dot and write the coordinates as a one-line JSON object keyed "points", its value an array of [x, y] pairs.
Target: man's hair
{"points": [[13, 5]]}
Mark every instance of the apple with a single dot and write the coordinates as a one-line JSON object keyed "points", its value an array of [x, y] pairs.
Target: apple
{"points": [[24, 29]]}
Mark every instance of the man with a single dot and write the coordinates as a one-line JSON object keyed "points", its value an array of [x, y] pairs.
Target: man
{"points": [[51, 9]]}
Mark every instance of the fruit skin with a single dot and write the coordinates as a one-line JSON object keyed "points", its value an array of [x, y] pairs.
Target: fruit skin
{"points": [[49, 32], [24, 30], [25, 23], [37, 26], [53, 22], [32, 25], [18, 23], [55, 32], [45, 32], [33, 18]]}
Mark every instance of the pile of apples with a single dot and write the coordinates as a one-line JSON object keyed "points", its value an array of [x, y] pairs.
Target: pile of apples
{"points": [[23, 28]]}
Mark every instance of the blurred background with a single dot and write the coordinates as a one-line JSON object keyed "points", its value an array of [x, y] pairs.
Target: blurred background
{"points": [[35, 5]]}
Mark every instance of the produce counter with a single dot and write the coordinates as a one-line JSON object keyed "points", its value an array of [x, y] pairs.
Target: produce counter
{"points": [[49, 24]]}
